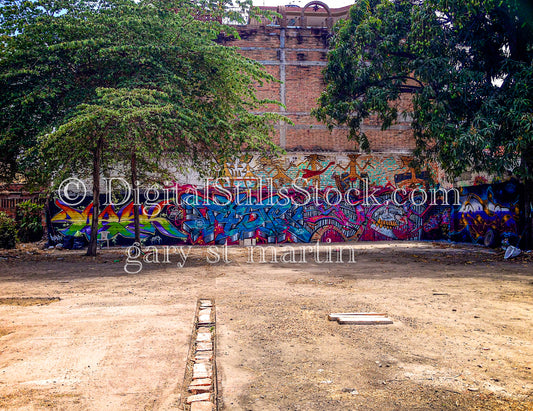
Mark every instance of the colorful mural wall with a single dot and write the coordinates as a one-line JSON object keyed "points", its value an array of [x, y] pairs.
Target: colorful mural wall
{"points": [[212, 217], [350, 197], [341, 170], [487, 207]]}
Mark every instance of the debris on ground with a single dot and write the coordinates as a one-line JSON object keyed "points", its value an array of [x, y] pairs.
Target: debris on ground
{"points": [[360, 318]]}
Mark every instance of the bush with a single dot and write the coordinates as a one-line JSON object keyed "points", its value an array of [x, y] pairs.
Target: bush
{"points": [[8, 231], [29, 219]]}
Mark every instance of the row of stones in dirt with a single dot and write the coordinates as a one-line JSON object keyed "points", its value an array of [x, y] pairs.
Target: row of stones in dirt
{"points": [[202, 383]]}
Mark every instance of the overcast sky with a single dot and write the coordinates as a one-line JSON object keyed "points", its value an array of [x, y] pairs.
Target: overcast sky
{"points": [[331, 3]]}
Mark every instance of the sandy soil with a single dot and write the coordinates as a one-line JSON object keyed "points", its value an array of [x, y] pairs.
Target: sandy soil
{"points": [[462, 336]]}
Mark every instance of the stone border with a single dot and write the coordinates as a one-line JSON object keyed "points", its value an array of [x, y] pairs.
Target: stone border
{"points": [[200, 375]]}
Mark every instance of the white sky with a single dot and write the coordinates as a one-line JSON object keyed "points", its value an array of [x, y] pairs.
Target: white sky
{"points": [[334, 4]]}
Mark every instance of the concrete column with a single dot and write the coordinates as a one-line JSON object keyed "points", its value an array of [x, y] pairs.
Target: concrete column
{"points": [[282, 88]]}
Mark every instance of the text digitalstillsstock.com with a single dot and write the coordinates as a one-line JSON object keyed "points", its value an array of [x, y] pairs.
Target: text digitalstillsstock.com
{"points": [[73, 192], [178, 255]]}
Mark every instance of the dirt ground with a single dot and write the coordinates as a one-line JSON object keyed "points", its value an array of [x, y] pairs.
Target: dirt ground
{"points": [[80, 333]]}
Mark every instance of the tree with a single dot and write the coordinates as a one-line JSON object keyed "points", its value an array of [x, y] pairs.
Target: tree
{"points": [[467, 67], [100, 82]]}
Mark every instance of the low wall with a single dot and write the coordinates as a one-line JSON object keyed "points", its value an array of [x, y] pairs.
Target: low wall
{"points": [[335, 206], [201, 216]]}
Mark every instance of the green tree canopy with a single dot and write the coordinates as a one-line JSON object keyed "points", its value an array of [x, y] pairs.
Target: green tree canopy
{"points": [[466, 64], [88, 84], [55, 54]]}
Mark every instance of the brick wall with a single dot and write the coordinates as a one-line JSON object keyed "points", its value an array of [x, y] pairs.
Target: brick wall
{"points": [[296, 56]]}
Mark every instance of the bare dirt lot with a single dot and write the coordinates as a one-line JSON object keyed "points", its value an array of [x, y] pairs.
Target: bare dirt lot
{"points": [[80, 333]]}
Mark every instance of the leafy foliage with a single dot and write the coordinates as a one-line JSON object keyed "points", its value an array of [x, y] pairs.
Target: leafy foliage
{"points": [[56, 54], [8, 231], [29, 221], [466, 65], [90, 84]]}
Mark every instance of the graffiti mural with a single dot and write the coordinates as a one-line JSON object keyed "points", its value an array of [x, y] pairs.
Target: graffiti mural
{"points": [[210, 216], [118, 223], [257, 200], [486, 207], [341, 170]]}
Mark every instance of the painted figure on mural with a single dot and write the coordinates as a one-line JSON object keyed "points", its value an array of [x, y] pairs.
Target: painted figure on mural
{"points": [[410, 179], [277, 172], [354, 175], [314, 169], [240, 172]]}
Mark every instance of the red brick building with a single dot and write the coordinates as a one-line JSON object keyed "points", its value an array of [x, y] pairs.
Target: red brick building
{"points": [[294, 49]]}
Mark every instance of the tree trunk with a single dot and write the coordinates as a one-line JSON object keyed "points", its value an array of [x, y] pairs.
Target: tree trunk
{"points": [[135, 207], [527, 202], [48, 218], [91, 250], [527, 212]]}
